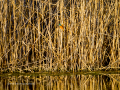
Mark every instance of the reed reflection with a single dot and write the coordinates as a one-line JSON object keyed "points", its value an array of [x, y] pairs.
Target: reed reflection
{"points": [[60, 82]]}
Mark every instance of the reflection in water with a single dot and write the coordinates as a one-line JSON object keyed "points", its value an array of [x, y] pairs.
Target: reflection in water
{"points": [[60, 82]]}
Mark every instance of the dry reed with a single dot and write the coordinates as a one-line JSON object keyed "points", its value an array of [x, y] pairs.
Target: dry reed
{"points": [[31, 40]]}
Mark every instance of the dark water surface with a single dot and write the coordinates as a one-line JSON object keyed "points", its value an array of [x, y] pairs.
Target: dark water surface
{"points": [[61, 81]]}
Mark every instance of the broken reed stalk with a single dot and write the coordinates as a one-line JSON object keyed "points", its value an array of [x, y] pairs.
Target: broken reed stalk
{"points": [[31, 39]]}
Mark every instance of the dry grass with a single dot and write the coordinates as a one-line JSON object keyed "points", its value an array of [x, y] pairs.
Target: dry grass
{"points": [[31, 40]]}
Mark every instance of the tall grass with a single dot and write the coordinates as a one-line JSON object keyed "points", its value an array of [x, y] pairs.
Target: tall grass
{"points": [[31, 40]]}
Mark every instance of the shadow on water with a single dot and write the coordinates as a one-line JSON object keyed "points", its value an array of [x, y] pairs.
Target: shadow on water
{"points": [[67, 81]]}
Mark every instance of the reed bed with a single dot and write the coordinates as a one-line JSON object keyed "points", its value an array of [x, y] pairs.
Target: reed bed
{"points": [[32, 41]]}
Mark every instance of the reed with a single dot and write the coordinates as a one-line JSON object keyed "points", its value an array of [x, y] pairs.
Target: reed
{"points": [[32, 41]]}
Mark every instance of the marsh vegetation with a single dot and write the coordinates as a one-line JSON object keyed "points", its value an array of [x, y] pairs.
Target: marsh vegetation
{"points": [[31, 40]]}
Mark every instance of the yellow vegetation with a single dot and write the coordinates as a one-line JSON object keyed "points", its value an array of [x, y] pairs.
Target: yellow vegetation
{"points": [[31, 39]]}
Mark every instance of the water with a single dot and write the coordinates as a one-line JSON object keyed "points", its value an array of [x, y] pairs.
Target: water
{"points": [[66, 81]]}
